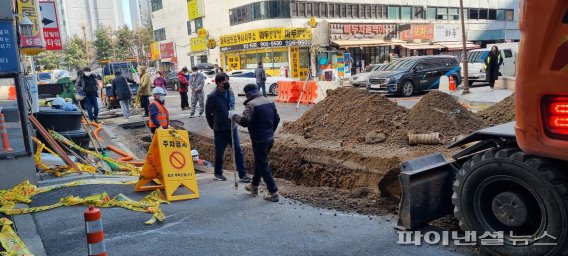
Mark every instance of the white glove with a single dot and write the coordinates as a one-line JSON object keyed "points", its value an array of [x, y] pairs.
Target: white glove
{"points": [[232, 114]]}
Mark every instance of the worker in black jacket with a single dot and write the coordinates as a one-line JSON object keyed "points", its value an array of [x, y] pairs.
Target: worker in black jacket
{"points": [[261, 118], [217, 107]]}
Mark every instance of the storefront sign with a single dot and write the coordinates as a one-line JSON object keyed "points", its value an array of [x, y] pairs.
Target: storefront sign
{"points": [[195, 9], [342, 31], [167, 50], [202, 33], [8, 50], [265, 38], [411, 32], [295, 62], [340, 65], [211, 43], [50, 26], [155, 51], [479, 35], [347, 61], [34, 42], [198, 44], [447, 33], [234, 62]]}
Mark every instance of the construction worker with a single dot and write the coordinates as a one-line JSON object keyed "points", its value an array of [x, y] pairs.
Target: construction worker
{"points": [[159, 114], [261, 118], [196, 83]]}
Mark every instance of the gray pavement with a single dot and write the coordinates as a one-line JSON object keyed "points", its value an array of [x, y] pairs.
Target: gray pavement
{"points": [[223, 222]]}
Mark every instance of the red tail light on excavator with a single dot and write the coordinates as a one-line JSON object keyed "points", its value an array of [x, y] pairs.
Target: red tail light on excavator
{"points": [[556, 116]]}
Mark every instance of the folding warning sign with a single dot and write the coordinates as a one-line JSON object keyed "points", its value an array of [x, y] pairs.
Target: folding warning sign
{"points": [[169, 166]]}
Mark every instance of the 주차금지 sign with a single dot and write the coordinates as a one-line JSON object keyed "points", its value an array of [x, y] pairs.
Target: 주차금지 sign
{"points": [[264, 38]]}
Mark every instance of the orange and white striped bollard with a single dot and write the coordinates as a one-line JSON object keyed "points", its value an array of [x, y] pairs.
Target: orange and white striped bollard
{"points": [[95, 233], [4, 133]]}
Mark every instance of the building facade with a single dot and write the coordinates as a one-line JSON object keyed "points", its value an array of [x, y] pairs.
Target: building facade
{"points": [[171, 34], [348, 36]]}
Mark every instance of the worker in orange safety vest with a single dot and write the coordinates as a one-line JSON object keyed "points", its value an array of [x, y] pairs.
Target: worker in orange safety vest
{"points": [[159, 114]]}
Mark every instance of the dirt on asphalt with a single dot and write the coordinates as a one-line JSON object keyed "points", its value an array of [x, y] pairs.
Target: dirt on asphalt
{"points": [[500, 113]]}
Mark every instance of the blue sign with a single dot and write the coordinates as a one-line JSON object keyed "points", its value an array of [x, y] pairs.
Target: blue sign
{"points": [[9, 62], [481, 35]]}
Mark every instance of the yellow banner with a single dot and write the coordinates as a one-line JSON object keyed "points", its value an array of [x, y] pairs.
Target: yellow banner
{"points": [[194, 9], [295, 62], [266, 35], [198, 44], [29, 8], [155, 50]]}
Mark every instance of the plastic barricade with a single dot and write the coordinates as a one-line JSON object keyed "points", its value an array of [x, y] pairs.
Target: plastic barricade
{"points": [[309, 94], [282, 90], [294, 92]]}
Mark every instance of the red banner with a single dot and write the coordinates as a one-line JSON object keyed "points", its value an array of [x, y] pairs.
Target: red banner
{"points": [[167, 50], [50, 22], [417, 32]]}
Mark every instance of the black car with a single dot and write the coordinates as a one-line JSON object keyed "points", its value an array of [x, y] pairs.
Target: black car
{"points": [[406, 76]]}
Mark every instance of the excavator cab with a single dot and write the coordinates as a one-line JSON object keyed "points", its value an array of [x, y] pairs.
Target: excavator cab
{"points": [[513, 181]]}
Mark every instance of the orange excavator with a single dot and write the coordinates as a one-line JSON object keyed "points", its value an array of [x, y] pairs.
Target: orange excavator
{"points": [[513, 178]]}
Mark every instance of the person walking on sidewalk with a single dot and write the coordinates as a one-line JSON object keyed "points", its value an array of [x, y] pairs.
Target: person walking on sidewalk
{"points": [[493, 63], [159, 114], [121, 90], [217, 107], [183, 87], [144, 90], [261, 118], [90, 86], [160, 81], [196, 83], [260, 75]]}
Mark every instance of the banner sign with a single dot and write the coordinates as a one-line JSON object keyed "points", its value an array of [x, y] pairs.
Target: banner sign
{"points": [[447, 33], [9, 62], [198, 44], [29, 8], [345, 31], [167, 50], [155, 51], [195, 9], [411, 32], [50, 22], [264, 38]]}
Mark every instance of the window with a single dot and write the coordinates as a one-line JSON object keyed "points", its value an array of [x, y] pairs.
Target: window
{"points": [[294, 9], [509, 15], [500, 14], [431, 13], [156, 5], [258, 10], [349, 12], [382, 11], [373, 10], [343, 12], [198, 23], [492, 14], [394, 13], [465, 12], [278, 9], [473, 14], [508, 53], [160, 34], [331, 9], [442, 13], [189, 27], [453, 14], [483, 14], [418, 13], [316, 10], [355, 9], [369, 11], [301, 9], [323, 9], [406, 13], [337, 11], [309, 10]]}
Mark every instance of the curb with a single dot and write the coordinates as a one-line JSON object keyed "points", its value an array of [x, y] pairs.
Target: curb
{"points": [[25, 227]]}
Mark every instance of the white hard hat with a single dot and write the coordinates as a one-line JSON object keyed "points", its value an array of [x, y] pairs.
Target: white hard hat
{"points": [[159, 90], [194, 153], [58, 102]]}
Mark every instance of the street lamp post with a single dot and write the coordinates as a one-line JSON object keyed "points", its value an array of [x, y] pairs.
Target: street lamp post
{"points": [[464, 56]]}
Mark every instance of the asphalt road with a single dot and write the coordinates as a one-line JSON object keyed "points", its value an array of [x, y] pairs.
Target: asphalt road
{"points": [[223, 222]]}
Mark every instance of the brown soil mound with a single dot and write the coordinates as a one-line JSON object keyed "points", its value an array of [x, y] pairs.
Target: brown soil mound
{"points": [[440, 112], [349, 115], [500, 113]]}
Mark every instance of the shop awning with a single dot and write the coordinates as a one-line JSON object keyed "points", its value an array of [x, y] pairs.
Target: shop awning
{"points": [[458, 45], [363, 43], [421, 46]]}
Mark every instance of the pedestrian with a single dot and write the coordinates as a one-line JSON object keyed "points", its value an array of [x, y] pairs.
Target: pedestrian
{"points": [[79, 91], [261, 118], [260, 75], [159, 114], [217, 107], [183, 87], [90, 86], [217, 69], [160, 81], [196, 83], [493, 62], [144, 89], [122, 93]]}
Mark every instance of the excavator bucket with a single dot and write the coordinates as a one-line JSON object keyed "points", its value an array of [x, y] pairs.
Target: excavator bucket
{"points": [[426, 190]]}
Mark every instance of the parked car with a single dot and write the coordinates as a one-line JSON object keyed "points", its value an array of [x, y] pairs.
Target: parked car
{"points": [[406, 76], [362, 79], [240, 78], [173, 81], [476, 65]]}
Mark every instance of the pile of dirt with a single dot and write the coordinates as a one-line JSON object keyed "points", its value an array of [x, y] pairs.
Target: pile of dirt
{"points": [[353, 116], [440, 112], [500, 113]]}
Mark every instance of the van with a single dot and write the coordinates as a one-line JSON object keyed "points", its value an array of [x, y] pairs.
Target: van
{"points": [[406, 76], [476, 66]]}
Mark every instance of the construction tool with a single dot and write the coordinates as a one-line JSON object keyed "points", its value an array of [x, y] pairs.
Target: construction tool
{"points": [[102, 164], [233, 127]]}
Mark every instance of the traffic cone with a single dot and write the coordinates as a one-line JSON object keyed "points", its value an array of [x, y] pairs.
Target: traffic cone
{"points": [[452, 84], [95, 233], [4, 133]]}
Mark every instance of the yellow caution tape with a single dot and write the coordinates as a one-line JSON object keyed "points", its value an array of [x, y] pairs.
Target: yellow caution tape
{"points": [[10, 241], [61, 170]]}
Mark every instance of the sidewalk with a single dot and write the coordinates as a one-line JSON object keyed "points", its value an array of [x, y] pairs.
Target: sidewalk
{"points": [[481, 97]]}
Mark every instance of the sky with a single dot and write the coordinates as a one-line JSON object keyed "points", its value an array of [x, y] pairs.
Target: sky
{"points": [[126, 10]]}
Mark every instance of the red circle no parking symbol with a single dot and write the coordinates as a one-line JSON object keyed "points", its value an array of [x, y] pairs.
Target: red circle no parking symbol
{"points": [[177, 160]]}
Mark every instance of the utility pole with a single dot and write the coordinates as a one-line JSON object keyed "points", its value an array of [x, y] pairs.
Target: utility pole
{"points": [[464, 55]]}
